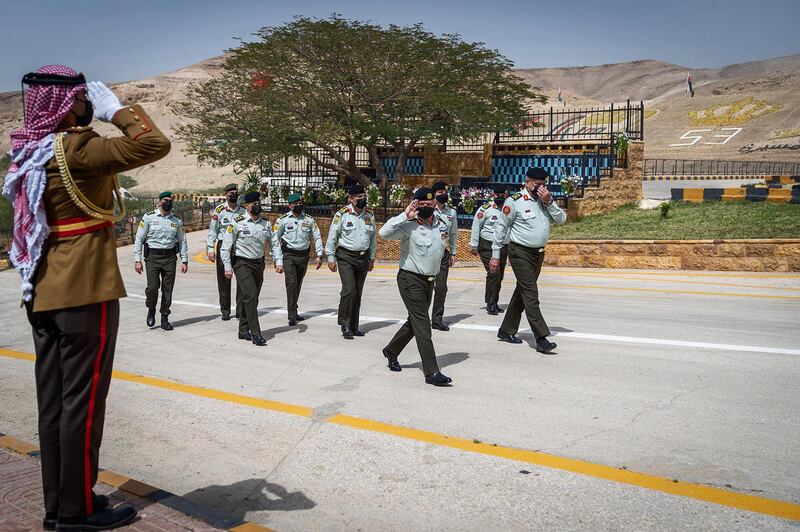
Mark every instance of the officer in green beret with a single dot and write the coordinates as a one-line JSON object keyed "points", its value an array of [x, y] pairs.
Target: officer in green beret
{"points": [[159, 239], [292, 236]]}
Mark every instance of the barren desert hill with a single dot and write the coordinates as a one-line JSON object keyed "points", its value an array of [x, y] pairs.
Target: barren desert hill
{"points": [[743, 111]]}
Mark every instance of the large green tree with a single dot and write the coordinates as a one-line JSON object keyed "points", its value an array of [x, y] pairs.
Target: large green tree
{"points": [[323, 88]]}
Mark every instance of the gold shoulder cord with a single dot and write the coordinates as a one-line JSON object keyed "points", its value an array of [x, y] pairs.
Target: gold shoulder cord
{"points": [[74, 191]]}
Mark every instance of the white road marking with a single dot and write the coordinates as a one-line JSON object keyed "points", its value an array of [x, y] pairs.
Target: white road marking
{"points": [[578, 335]]}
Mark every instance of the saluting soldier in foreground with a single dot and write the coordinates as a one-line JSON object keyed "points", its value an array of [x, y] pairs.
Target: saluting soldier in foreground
{"points": [[62, 182], [292, 235], [526, 222], [351, 250], [244, 247], [221, 217], [161, 235], [422, 246], [449, 228], [484, 224]]}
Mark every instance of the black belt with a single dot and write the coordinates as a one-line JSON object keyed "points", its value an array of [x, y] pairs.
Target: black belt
{"points": [[238, 258], [351, 252], [164, 251], [537, 250], [297, 251], [428, 278]]}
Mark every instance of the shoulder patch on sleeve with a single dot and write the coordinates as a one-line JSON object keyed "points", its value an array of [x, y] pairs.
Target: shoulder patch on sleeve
{"points": [[516, 196], [480, 215], [141, 224], [337, 218], [506, 210], [275, 227]]}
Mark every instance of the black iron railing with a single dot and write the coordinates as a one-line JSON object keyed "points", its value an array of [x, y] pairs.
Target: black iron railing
{"points": [[679, 167]]}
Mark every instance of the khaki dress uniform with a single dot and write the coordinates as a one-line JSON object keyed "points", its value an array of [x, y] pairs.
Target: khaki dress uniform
{"points": [[75, 308]]}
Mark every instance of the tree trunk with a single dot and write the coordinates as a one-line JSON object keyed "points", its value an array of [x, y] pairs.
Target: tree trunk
{"points": [[404, 151], [377, 164]]}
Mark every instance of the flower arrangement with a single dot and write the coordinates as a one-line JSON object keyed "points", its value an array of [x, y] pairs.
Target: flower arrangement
{"points": [[471, 196], [373, 197], [398, 195], [308, 196], [621, 141], [274, 194], [569, 184], [338, 195], [330, 194]]}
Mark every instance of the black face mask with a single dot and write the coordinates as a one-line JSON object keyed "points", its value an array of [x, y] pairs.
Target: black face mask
{"points": [[167, 206], [255, 209], [298, 209], [499, 200], [84, 119], [424, 212], [360, 204], [233, 198], [441, 198]]}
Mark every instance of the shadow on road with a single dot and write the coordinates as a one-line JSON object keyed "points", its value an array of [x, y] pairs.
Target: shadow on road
{"points": [[448, 359]]}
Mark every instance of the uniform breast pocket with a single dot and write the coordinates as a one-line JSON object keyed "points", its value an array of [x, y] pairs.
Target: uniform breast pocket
{"points": [[422, 244], [528, 215]]}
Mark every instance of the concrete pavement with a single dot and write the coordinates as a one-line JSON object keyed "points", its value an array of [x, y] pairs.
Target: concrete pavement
{"points": [[691, 376]]}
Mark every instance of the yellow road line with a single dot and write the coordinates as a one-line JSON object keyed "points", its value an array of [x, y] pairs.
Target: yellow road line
{"points": [[700, 492]]}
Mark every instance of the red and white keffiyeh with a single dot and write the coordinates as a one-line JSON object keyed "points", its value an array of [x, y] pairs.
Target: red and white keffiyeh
{"points": [[31, 150]]}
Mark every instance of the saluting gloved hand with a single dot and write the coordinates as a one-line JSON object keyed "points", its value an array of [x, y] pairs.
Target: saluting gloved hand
{"points": [[105, 102]]}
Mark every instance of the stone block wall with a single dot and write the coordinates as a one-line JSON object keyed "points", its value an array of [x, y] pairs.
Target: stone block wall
{"points": [[625, 187]]}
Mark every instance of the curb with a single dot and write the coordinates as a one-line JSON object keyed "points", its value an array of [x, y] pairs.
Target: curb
{"points": [[148, 492], [749, 193]]}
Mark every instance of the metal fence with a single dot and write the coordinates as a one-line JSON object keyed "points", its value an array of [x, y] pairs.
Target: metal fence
{"points": [[679, 167]]}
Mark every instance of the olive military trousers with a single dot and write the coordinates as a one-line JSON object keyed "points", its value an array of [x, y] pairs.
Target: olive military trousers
{"points": [[353, 267], [527, 264], [160, 270], [494, 280], [249, 278]]}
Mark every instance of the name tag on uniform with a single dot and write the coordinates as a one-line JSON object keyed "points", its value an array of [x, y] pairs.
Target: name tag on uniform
{"points": [[493, 219], [528, 214], [155, 222], [290, 228], [173, 225], [349, 224]]}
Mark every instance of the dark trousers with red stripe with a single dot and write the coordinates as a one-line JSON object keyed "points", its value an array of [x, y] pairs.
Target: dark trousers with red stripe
{"points": [[74, 356]]}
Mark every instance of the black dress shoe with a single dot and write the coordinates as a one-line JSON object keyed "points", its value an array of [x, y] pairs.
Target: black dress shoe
{"points": [[297, 317], [165, 324], [347, 333], [440, 326], [437, 379], [259, 340], [245, 336], [151, 318], [237, 316], [491, 309], [394, 365], [49, 521], [292, 322], [510, 338], [226, 316], [102, 519], [498, 309], [543, 345], [358, 332]]}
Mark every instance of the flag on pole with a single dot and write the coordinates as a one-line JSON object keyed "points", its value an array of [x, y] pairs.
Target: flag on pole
{"points": [[689, 88]]}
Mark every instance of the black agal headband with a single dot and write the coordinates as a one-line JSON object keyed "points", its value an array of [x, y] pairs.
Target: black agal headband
{"points": [[42, 78]]}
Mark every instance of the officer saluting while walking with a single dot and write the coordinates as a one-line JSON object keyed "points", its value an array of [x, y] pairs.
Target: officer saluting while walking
{"points": [[161, 234], [292, 235], [484, 224], [422, 246], [244, 246], [449, 229], [221, 217], [351, 249], [526, 221]]}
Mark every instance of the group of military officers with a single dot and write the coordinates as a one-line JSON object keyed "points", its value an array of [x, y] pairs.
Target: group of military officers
{"points": [[510, 227]]}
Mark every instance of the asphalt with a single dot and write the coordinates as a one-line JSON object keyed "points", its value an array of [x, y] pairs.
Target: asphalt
{"points": [[691, 377]]}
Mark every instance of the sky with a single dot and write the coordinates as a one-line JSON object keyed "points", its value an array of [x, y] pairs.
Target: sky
{"points": [[116, 40]]}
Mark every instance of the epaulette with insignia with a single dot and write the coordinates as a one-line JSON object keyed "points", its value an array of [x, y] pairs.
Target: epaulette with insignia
{"points": [[238, 218], [151, 213], [283, 215], [485, 207], [343, 210], [516, 196], [220, 208]]}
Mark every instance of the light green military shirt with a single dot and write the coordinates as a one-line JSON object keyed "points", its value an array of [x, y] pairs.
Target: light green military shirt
{"points": [[526, 222], [484, 223], [160, 231], [352, 231], [422, 246], [221, 218], [449, 226], [297, 232], [251, 239]]}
